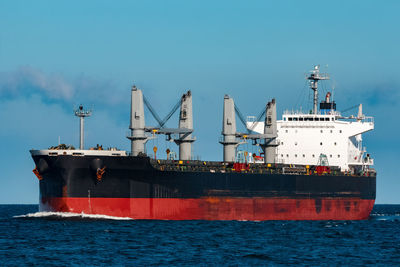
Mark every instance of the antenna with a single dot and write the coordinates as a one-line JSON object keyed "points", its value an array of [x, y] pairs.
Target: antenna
{"points": [[81, 113], [314, 77]]}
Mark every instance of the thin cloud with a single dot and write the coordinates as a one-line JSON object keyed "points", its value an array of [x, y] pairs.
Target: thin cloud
{"points": [[383, 95], [103, 92], [375, 95], [27, 80]]}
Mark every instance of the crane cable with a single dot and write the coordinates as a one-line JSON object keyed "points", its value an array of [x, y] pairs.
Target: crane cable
{"points": [[241, 118], [347, 109], [161, 123]]}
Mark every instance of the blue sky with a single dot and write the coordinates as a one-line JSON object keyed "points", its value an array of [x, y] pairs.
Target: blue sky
{"points": [[55, 55]]}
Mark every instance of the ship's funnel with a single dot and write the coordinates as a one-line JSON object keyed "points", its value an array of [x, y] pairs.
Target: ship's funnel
{"points": [[137, 137], [270, 130], [185, 122], [229, 130]]}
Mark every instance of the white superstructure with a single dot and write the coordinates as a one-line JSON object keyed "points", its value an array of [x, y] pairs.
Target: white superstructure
{"points": [[303, 137]]}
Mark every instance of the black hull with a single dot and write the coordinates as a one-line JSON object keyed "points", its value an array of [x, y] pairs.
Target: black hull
{"points": [[75, 177]]}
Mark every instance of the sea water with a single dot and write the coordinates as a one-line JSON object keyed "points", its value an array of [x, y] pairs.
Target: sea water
{"points": [[29, 237]]}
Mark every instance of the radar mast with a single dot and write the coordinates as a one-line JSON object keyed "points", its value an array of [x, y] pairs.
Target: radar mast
{"points": [[314, 77]]}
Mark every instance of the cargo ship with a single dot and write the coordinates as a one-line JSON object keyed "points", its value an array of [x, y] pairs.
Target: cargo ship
{"points": [[313, 166]]}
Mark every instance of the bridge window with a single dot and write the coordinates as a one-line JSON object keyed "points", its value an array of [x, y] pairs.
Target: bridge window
{"points": [[290, 119], [301, 119]]}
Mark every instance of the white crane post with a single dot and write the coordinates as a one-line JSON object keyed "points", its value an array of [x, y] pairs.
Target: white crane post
{"points": [[229, 141], [137, 125], [270, 130], [185, 122]]}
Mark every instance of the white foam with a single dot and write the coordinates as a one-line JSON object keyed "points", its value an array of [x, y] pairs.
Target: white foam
{"points": [[383, 214], [385, 217], [71, 215]]}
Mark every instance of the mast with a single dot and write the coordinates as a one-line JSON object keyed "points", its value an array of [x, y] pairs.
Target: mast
{"points": [[314, 77], [81, 113]]}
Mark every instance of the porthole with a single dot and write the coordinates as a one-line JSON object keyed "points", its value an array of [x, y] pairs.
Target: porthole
{"points": [[331, 131], [286, 131], [335, 143], [282, 155], [295, 155], [320, 143], [313, 156], [338, 156], [287, 155], [295, 143], [322, 131], [330, 156], [304, 156], [340, 131]]}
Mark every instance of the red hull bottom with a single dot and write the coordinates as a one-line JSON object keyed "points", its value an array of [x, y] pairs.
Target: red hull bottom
{"points": [[251, 209]]}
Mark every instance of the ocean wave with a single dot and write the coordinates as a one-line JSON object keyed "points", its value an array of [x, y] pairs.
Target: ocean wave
{"points": [[386, 214], [71, 216], [385, 217]]}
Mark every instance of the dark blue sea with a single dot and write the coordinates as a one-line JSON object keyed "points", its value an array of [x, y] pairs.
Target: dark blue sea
{"points": [[28, 237]]}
